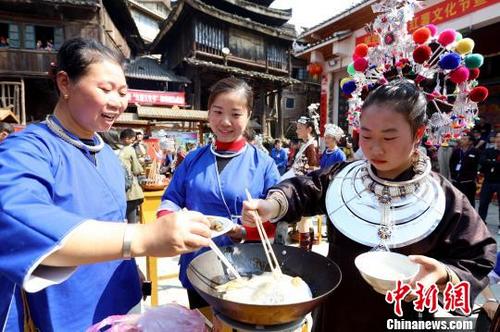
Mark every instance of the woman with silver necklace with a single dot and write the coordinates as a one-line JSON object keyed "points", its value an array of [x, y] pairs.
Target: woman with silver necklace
{"points": [[212, 179], [65, 258], [391, 201]]}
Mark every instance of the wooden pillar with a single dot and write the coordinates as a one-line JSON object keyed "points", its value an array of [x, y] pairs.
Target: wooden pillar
{"points": [[280, 129], [197, 91], [262, 106]]}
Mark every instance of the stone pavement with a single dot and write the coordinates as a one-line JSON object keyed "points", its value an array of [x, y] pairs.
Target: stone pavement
{"points": [[170, 290]]}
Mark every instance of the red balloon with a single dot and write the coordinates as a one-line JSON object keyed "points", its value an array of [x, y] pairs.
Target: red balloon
{"points": [[361, 50], [478, 94], [421, 35], [361, 64], [474, 73], [459, 75], [447, 36], [422, 53]]}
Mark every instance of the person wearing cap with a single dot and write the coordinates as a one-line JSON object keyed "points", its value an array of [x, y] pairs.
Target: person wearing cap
{"points": [[332, 154]]}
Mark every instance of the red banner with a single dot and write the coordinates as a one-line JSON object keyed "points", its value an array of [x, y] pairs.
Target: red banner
{"points": [[147, 97], [439, 13], [323, 109]]}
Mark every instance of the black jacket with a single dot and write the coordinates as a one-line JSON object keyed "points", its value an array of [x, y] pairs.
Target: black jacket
{"points": [[468, 161], [490, 165]]}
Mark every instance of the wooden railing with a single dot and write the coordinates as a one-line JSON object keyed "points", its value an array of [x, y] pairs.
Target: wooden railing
{"points": [[261, 63], [27, 62]]}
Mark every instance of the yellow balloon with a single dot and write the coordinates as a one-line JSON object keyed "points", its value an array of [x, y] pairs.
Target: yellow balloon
{"points": [[345, 80], [464, 46]]}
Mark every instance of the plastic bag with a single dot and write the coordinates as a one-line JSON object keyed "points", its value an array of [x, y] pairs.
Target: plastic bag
{"points": [[170, 317]]}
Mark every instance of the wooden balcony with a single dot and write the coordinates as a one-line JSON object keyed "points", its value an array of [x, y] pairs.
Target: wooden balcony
{"points": [[17, 62], [215, 55]]}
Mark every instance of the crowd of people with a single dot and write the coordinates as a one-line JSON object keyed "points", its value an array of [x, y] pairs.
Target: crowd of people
{"points": [[69, 217]]}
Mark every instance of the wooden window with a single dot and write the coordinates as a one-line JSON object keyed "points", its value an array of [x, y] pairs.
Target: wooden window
{"points": [[290, 103], [14, 38], [58, 38], [209, 38], [29, 37], [44, 38], [276, 57]]}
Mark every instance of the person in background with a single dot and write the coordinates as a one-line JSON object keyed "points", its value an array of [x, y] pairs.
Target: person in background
{"points": [[179, 156], [135, 195], [305, 161], [490, 167], [140, 148], [3, 42], [484, 132], [213, 179], [464, 162], [166, 155], [5, 130], [190, 147], [456, 247], [293, 147], [66, 252], [112, 138], [332, 154], [444, 153], [279, 156]]}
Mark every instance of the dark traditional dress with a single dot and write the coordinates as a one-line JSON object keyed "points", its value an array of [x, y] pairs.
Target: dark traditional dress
{"points": [[460, 240]]}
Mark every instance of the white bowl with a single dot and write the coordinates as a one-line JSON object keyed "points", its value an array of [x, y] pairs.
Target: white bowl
{"points": [[382, 269]]}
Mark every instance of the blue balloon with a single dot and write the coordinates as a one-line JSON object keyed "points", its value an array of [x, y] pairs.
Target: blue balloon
{"points": [[450, 61], [349, 87]]}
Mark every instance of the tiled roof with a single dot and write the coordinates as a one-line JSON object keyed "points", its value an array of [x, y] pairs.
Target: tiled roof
{"points": [[7, 115], [148, 68], [242, 72], [166, 113], [285, 32]]}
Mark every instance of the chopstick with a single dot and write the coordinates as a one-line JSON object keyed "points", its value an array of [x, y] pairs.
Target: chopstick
{"points": [[223, 259], [221, 256], [268, 249]]}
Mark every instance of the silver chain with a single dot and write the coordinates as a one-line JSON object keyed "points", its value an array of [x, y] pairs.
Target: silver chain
{"points": [[228, 155], [386, 190], [59, 131]]}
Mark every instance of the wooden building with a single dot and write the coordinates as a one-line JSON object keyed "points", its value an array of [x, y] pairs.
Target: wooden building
{"points": [[212, 39], [31, 33]]}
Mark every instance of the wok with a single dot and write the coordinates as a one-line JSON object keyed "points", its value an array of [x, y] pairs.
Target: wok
{"points": [[322, 275]]}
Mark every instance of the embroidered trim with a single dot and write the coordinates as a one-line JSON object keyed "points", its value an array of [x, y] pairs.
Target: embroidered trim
{"points": [[280, 198]]}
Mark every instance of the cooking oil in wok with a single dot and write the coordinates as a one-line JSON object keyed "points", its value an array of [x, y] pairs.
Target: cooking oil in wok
{"points": [[266, 289]]}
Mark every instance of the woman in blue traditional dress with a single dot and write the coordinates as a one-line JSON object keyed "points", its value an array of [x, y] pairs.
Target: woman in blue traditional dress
{"points": [[65, 254], [213, 178], [332, 154]]}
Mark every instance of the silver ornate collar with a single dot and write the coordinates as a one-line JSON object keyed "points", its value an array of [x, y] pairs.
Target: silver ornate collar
{"points": [[357, 212]]}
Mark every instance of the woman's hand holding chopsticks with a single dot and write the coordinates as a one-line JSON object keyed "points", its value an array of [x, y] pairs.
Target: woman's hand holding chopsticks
{"points": [[266, 209]]}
